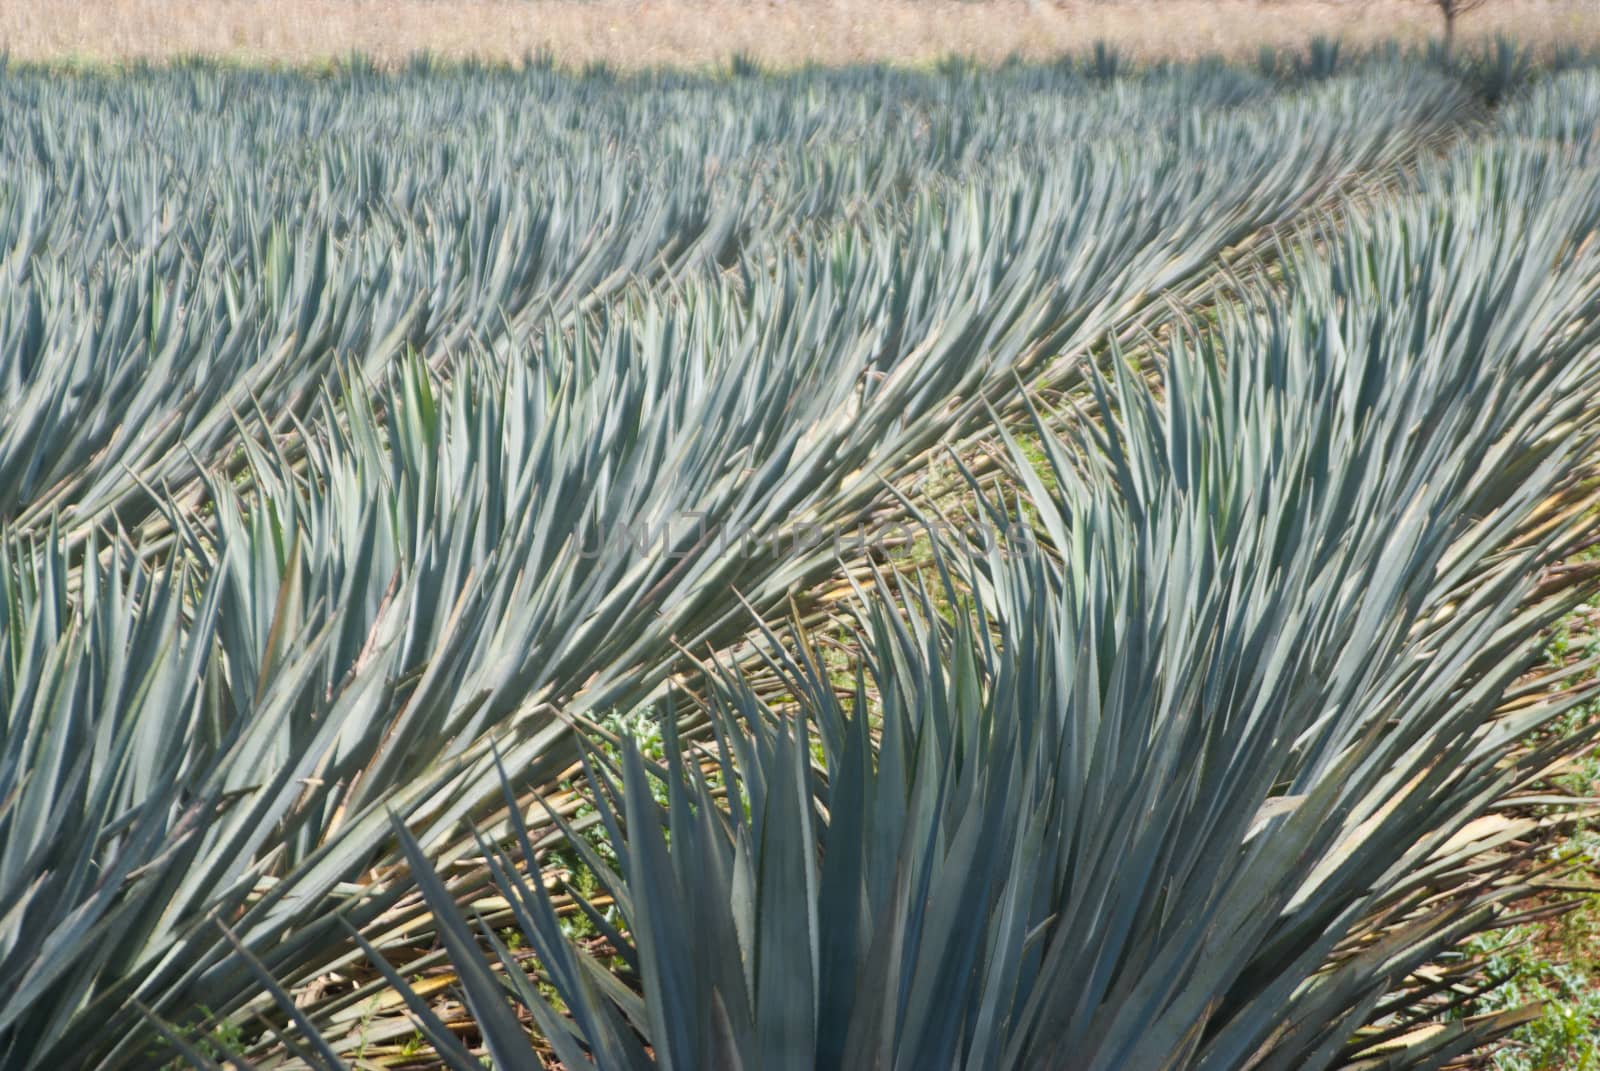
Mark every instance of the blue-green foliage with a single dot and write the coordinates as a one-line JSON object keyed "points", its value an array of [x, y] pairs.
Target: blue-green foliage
{"points": [[329, 401], [1196, 783]]}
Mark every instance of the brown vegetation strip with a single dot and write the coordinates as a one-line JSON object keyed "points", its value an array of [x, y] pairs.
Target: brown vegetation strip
{"points": [[642, 33]]}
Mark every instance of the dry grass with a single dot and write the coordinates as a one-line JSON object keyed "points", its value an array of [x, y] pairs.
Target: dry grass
{"points": [[638, 33]]}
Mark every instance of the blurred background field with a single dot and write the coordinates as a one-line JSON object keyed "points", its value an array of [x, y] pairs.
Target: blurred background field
{"points": [[647, 33]]}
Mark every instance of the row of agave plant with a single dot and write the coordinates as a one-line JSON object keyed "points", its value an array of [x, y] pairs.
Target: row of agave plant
{"points": [[1210, 773], [180, 244], [338, 407]]}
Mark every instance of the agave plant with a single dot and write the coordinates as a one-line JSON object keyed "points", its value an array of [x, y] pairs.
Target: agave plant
{"points": [[1559, 110], [377, 435], [105, 711], [1198, 782], [243, 250], [402, 587]]}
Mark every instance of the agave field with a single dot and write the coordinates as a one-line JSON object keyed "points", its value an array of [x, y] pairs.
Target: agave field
{"points": [[1026, 567]]}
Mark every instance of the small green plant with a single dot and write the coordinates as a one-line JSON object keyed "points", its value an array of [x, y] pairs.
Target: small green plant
{"points": [[224, 1038], [1558, 969]]}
